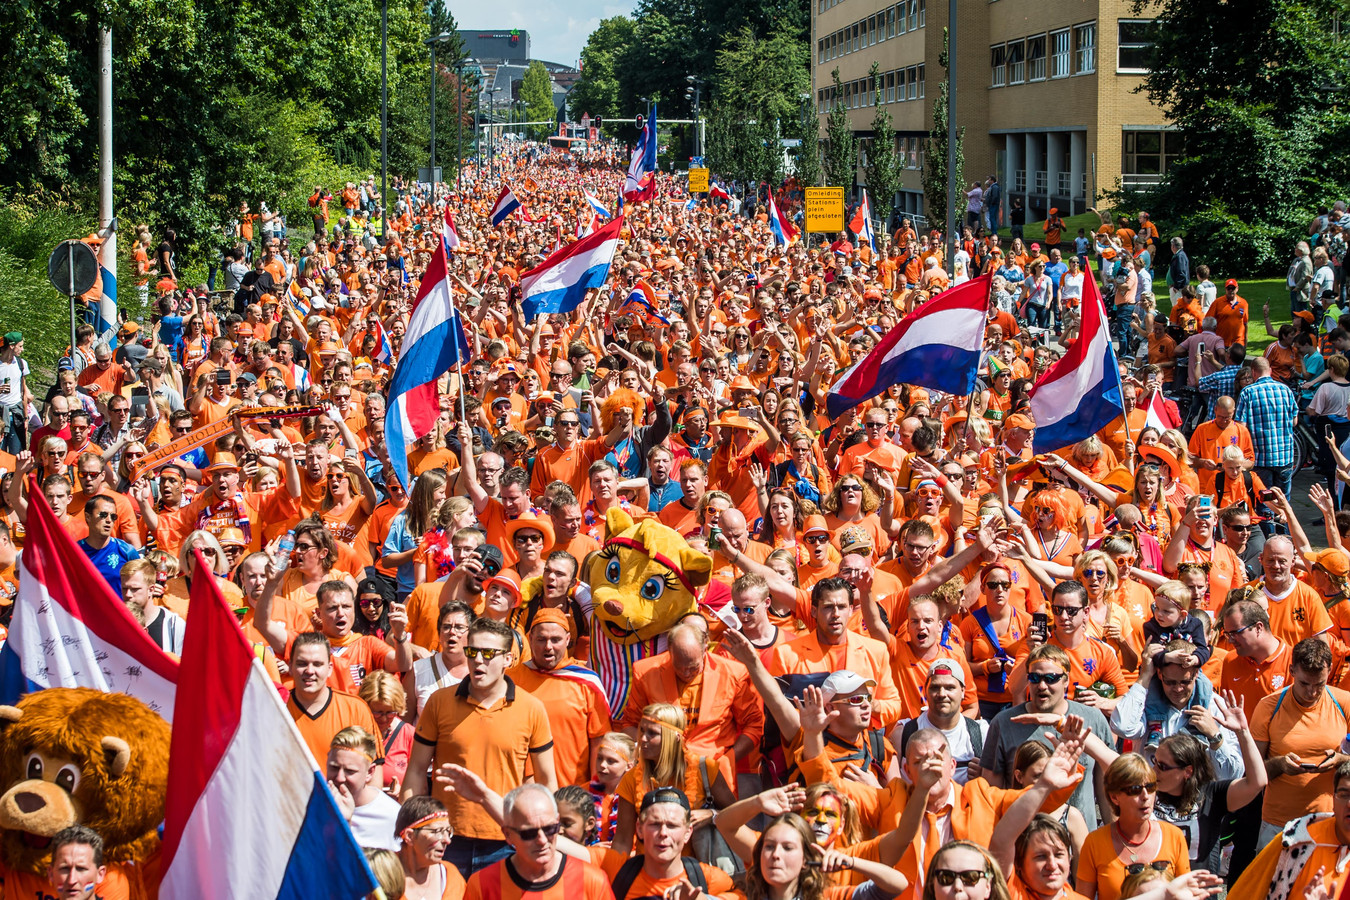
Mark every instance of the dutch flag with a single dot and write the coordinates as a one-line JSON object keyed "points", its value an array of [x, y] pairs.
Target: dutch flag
{"points": [[286, 838], [560, 283], [784, 233], [1079, 395], [596, 205], [505, 205]]}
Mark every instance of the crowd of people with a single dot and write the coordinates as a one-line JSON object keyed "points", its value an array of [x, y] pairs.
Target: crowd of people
{"points": [[929, 662]]}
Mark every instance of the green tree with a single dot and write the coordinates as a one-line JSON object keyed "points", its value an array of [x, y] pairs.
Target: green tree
{"points": [[808, 155], [1260, 121], [884, 165], [935, 162], [597, 92], [536, 90], [841, 150]]}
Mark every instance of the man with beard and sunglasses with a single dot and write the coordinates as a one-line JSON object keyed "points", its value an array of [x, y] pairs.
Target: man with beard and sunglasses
{"points": [[1047, 692]]}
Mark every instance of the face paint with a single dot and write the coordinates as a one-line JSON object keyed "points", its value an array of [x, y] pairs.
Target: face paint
{"points": [[824, 817]]}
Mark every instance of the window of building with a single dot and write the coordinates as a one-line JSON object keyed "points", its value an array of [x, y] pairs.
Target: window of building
{"points": [[1060, 58], [1016, 64], [996, 62], [1149, 153], [1134, 44], [1036, 58], [1085, 48], [921, 82], [890, 87], [871, 30], [913, 14], [913, 78], [890, 22], [923, 12]]}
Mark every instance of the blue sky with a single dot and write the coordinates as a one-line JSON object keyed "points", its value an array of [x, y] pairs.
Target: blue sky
{"points": [[558, 28]]}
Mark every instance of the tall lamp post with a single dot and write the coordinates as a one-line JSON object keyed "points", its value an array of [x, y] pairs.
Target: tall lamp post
{"points": [[694, 92], [492, 121], [950, 225], [384, 113], [443, 38]]}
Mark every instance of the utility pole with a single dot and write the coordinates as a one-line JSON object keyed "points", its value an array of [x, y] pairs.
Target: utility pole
{"points": [[431, 175], [949, 226], [107, 223], [384, 114], [459, 123]]}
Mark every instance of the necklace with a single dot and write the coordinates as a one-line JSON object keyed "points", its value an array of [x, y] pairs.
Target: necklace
{"points": [[1129, 844]]}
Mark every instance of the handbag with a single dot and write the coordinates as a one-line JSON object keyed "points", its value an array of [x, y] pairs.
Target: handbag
{"points": [[707, 842]]}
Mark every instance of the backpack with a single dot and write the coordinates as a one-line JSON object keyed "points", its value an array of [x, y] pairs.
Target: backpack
{"points": [[623, 882], [972, 729]]}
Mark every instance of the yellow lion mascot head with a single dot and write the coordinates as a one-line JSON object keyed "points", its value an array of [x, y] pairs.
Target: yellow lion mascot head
{"points": [[76, 756], [644, 579]]}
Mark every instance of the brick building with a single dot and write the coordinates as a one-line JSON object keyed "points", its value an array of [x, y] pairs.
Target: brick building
{"points": [[1045, 92]]}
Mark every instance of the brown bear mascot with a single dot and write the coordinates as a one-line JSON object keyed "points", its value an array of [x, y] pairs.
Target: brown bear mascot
{"points": [[76, 756]]}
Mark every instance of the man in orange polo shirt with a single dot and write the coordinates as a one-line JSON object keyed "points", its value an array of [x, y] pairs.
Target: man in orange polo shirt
{"points": [[912, 659], [1258, 664], [578, 714], [1210, 439], [1091, 660], [874, 423], [1230, 315], [720, 708], [741, 442], [319, 711], [569, 459]]}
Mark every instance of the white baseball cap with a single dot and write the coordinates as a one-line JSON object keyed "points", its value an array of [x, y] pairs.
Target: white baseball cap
{"points": [[843, 683]]}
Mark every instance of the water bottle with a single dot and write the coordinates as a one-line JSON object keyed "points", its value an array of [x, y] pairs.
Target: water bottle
{"points": [[284, 548]]}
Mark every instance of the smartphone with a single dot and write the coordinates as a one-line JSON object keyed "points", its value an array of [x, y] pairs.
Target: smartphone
{"points": [[1205, 506], [1329, 433], [1265, 496], [1041, 623], [222, 376], [1308, 767], [350, 454]]}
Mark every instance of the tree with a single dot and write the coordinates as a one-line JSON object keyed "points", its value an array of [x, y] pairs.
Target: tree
{"points": [[1262, 128], [536, 91], [808, 155], [597, 92], [841, 151], [935, 162], [884, 165]]}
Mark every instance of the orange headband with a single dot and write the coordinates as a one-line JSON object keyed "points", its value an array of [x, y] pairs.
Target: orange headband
{"points": [[665, 725]]}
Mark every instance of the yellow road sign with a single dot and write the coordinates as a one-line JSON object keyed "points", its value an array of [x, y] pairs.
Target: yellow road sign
{"points": [[698, 181], [824, 209]]}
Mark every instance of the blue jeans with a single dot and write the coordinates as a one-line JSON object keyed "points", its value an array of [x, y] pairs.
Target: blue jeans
{"points": [[471, 854], [1120, 328], [1156, 706], [1281, 477], [1038, 316]]}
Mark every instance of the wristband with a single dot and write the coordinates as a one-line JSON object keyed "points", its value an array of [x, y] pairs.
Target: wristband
{"points": [[941, 480]]}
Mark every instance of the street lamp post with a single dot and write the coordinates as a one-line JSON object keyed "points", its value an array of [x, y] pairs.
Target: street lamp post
{"points": [[384, 113], [443, 38], [694, 92], [492, 121], [950, 225]]}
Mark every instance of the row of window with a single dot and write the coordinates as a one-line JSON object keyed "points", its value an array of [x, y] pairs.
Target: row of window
{"points": [[1057, 54], [895, 86], [904, 16]]}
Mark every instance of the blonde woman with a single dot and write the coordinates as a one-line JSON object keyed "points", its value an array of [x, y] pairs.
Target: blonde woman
{"points": [[178, 589], [664, 760]]}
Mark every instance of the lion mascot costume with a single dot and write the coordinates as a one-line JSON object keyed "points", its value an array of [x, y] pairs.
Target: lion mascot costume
{"points": [[643, 580], [77, 756]]}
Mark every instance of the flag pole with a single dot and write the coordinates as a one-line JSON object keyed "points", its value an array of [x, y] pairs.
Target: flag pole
{"points": [[1115, 366]]}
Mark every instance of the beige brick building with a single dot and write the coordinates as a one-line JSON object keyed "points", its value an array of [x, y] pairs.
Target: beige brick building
{"points": [[1045, 92]]}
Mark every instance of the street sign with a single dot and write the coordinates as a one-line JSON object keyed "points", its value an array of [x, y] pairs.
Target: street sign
{"points": [[824, 209], [698, 181], [72, 268]]}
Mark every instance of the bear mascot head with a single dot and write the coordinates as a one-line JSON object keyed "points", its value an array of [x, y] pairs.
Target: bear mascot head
{"points": [[643, 580], [77, 756]]}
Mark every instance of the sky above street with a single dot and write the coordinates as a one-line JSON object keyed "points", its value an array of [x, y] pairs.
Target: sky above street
{"points": [[558, 28]]}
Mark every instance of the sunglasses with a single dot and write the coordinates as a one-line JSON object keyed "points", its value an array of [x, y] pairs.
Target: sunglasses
{"points": [[104, 514], [1069, 611], [529, 834], [1236, 631], [1158, 865], [1045, 677], [488, 653], [528, 537], [850, 488], [371, 602], [998, 585], [970, 878], [1093, 573], [817, 538], [854, 700], [1161, 766], [1135, 790]]}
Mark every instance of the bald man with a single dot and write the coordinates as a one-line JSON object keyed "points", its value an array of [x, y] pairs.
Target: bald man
{"points": [[734, 533], [1210, 439], [721, 708]]}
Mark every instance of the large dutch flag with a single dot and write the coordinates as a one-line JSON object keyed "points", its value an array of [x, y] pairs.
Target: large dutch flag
{"points": [[70, 630], [937, 347], [433, 343], [505, 205], [449, 233], [639, 184], [784, 232], [248, 813], [560, 283], [1079, 395], [105, 313]]}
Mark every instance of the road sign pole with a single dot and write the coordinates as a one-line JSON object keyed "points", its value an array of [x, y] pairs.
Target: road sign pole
{"points": [[70, 261]]}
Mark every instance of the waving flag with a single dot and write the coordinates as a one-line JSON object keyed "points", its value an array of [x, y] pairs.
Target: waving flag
{"points": [[585, 226], [1079, 394], [105, 310], [449, 233], [560, 283], [596, 205], [719, 192], [384, 351], [287, 840], [433, 343], [937, 347], [70, 630], [644, 298], [505, 205], [639, 184], [862, 223], [578, 673], [783, 231]]}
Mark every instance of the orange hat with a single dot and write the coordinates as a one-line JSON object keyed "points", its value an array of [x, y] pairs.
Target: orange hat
{"points": [[1232, 282], [544, 397], [508, 579], [956, 419], [329, 348], [231, 537], [549, 616], [1336, 562], [1018, 420], [222, 460], [881, 458], [1164, 456], [731, 420], [814, 523], [1305, 316], [1054, 210], [741, 383], [528, 523]]}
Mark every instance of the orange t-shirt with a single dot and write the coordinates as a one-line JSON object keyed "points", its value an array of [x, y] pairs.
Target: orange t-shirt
{"points": [[1308, 733], [1252, 681], [1098, 862], [341, 711]]}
